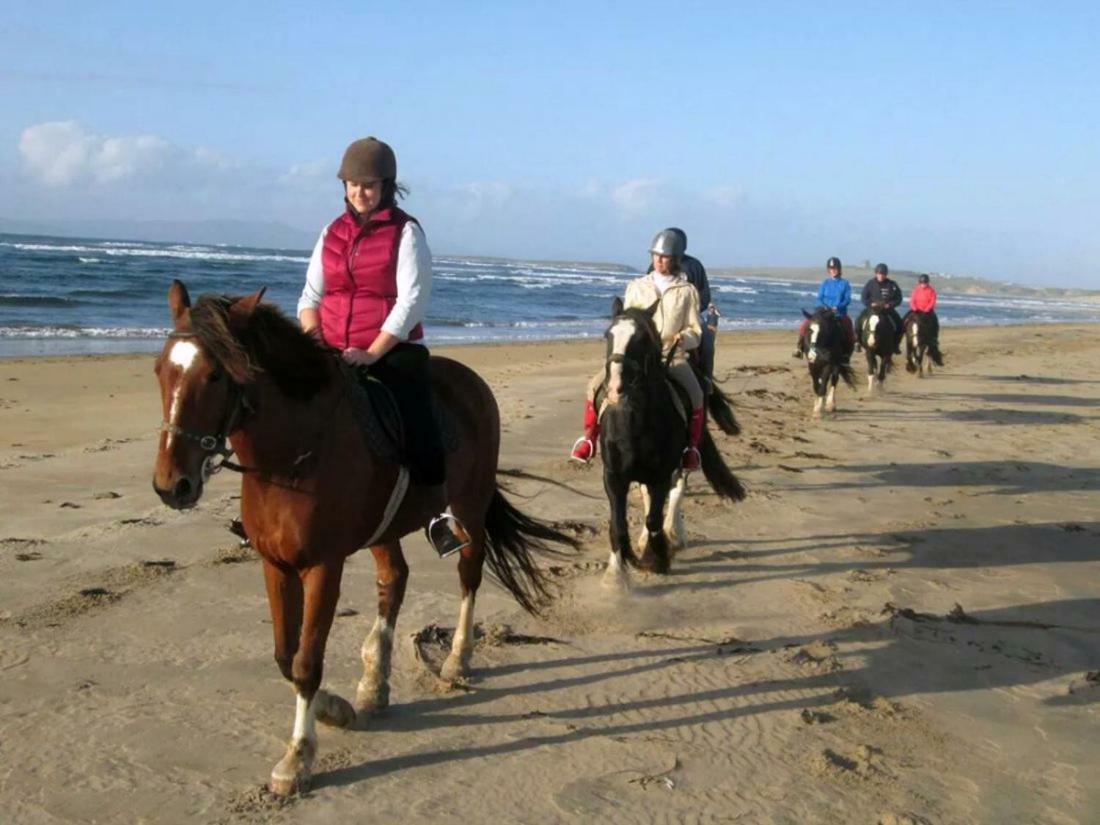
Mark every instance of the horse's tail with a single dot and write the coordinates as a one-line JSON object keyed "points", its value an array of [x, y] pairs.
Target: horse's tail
{"points": [[720, 477], [510, 536], [844, 370], [721, 411]]}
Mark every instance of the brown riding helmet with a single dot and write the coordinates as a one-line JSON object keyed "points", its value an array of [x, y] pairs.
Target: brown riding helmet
{"points": [[368, 160]]}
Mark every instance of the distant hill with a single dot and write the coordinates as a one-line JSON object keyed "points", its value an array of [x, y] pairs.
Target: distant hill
{"points": [[266, 234], [944, 282]]}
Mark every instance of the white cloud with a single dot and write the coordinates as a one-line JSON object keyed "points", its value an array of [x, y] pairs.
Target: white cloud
{"points": [[725, 195], [635, 195], [311, 175], [64, 153]]}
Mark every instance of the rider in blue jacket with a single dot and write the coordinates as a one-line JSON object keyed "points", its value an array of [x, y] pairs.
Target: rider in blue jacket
{"points": [[835, 293]]}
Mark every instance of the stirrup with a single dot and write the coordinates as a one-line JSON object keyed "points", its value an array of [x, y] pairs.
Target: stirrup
{"points": [[443, 539], [236, 527], [591, 451]]}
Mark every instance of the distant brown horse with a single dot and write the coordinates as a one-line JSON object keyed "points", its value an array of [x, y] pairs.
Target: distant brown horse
{"points": [[312, 493]]}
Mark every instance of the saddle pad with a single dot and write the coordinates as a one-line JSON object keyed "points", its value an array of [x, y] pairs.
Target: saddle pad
{"points": [[680, 399], [380, 420]]}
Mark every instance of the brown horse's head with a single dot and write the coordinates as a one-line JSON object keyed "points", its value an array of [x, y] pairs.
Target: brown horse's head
{"points": [[201, 371]]}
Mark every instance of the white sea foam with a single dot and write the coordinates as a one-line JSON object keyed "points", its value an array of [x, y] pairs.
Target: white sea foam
{"points": [[83, 332], [179, 251]]}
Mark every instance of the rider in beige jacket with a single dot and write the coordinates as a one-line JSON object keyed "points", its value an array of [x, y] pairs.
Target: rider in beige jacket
{"points": [[676, 317]]}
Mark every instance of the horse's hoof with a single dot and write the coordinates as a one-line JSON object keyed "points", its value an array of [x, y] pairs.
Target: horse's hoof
{"points": [[371, 697], [293, 774], [333, 710], [676, 544], [653, 564], [290, 785], [455, 668], [616, 580]]}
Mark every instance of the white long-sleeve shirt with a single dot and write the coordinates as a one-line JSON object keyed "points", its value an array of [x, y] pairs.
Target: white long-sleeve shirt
{"points": [[414, 281]]}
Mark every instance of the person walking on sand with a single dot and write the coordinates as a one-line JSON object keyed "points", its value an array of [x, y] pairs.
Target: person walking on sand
{"points": [[676, 315], [366, 295], [884, 292], [923, 299], [835, 293]]}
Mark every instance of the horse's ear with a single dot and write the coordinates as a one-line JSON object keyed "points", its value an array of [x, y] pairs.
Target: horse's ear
{"points": [[804, 312], [616, 307], [653, 308], [179, 303], [241, 309]]}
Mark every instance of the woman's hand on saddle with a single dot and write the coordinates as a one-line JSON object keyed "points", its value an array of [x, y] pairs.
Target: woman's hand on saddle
{"points": [[359, 357]]}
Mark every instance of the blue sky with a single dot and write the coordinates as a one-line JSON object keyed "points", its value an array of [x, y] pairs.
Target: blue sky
{"points": [[947, 137]]}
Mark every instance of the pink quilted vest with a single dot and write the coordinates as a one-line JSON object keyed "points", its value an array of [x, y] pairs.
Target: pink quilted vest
{"points": [[360, 271]]}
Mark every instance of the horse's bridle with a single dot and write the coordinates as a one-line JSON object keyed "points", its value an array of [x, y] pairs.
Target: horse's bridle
{"points": [[641, 368], [215, 446]]}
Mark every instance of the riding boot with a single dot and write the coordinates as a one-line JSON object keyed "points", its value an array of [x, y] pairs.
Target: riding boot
{"points": [[445, 533], [798, 352], [691, 460], [584, 448]]}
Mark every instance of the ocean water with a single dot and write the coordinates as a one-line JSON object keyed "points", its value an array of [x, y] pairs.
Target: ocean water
{"points": [[65, 295]]}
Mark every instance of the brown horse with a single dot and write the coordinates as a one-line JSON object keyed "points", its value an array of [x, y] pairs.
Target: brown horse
{"points": [[312, 493]]}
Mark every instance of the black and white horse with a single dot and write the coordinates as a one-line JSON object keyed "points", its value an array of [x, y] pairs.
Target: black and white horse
{"points": [[642, 438], [922, 347], [827, 356], [879, 337]]}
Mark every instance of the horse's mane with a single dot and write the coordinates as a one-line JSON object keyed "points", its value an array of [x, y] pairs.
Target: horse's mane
{"points": [[266, 342]]}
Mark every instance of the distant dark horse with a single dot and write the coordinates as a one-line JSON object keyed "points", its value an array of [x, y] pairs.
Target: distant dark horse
{"points": [[921, 345], [827, 356], [879, 338], [642, 440], [313, 492]]}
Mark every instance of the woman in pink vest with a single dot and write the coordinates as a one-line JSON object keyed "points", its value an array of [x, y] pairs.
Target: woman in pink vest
{"points": [[366, 295]]}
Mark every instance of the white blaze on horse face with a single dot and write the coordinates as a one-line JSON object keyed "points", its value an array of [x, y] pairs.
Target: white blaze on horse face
{"points": [[872, 323], [621, 333], [182, 354], [815, 328]]}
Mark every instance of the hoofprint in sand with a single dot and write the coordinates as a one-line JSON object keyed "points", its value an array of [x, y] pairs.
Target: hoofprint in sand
{"points": [[805, 661]]}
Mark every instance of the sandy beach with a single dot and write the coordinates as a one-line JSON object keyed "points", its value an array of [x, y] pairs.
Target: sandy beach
{"points": [[899, 625]]}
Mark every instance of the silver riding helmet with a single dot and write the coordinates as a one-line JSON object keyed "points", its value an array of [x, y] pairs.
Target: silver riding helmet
{"points": [[668, 242]]}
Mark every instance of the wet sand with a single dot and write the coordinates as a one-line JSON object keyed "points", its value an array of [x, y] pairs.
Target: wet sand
{"points": [[898, 625]]}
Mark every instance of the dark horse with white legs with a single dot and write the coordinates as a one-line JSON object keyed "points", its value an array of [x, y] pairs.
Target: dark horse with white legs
{"points": [[313, 492], [879, 339], [827, 354], [922, 346], [642, 440]]}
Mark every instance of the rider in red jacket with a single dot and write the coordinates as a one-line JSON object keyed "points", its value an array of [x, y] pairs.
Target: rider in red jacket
{"points": [[923, 299]]}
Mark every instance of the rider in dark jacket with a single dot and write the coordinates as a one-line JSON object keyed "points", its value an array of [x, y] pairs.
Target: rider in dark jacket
{"points": [[881, 291]]}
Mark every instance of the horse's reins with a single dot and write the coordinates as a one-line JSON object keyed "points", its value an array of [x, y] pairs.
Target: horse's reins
{"points": [[217, 445], [641, 368]]}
